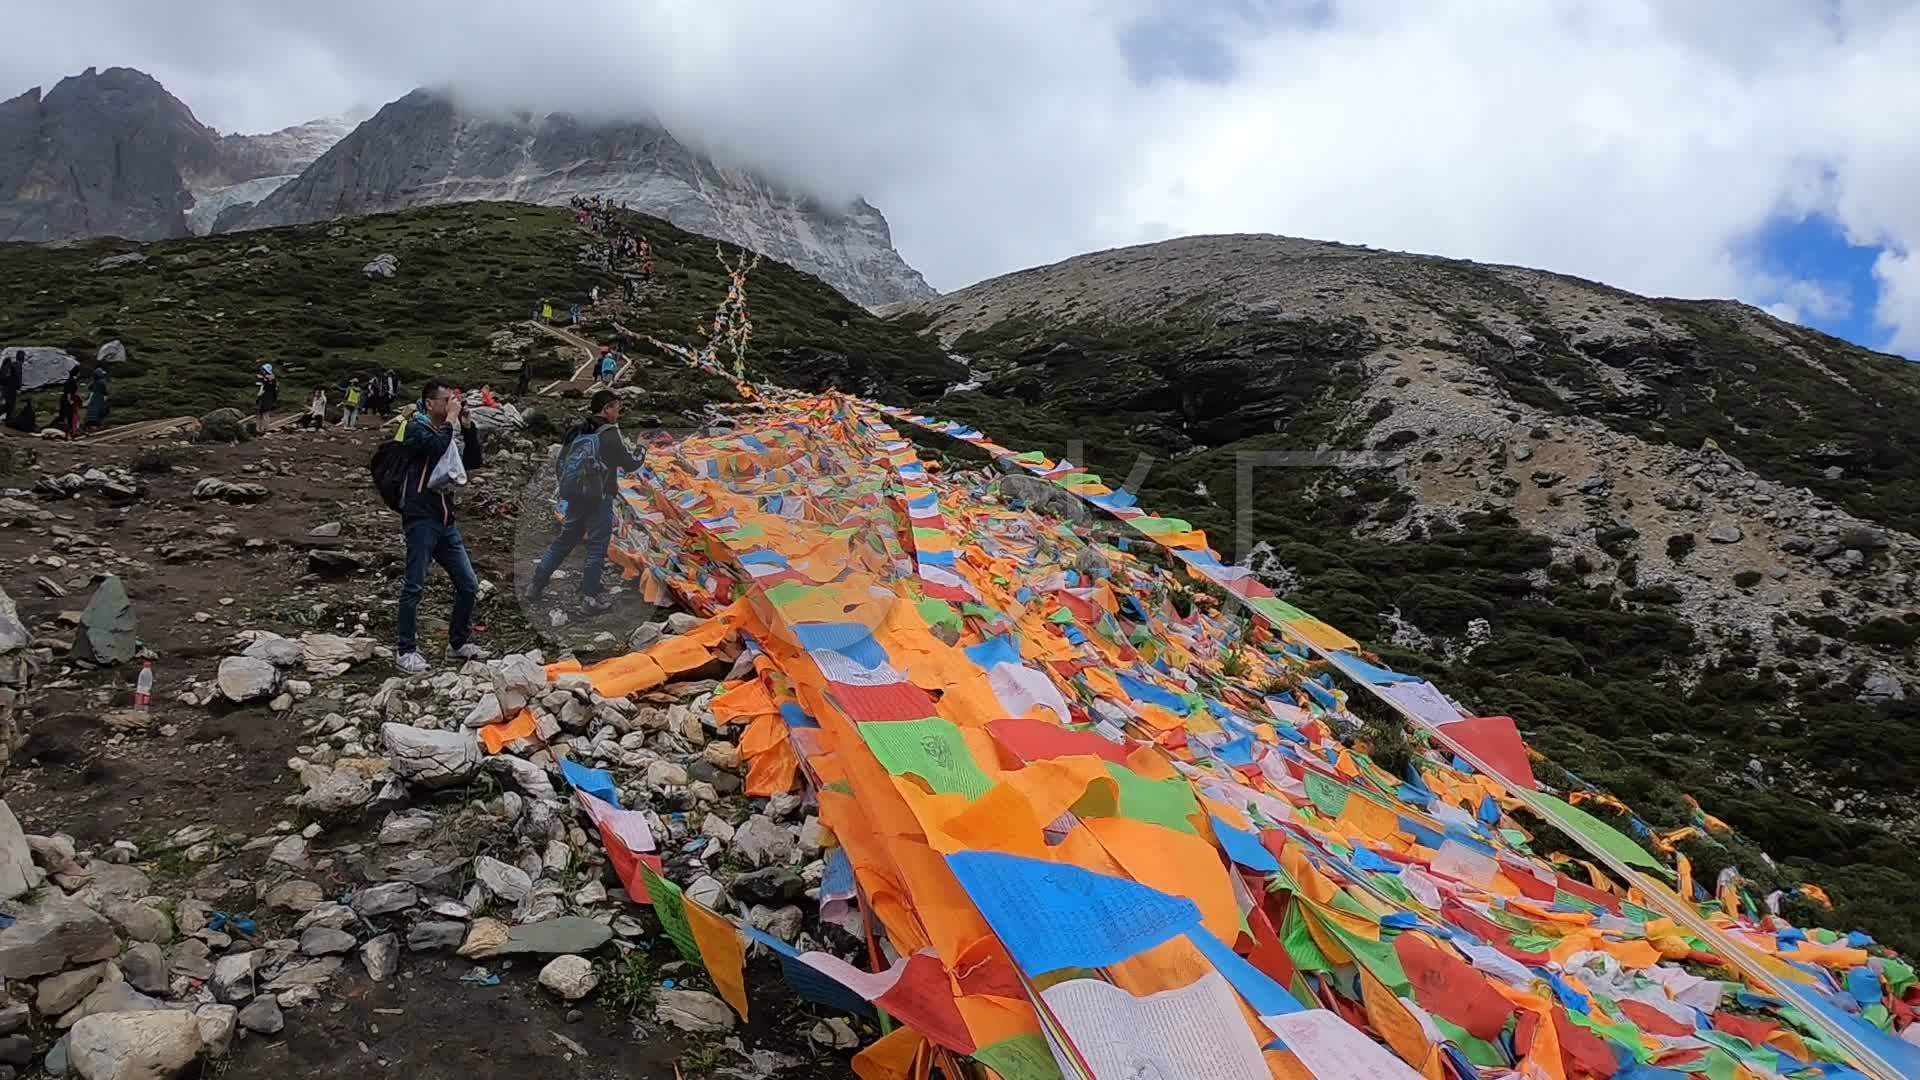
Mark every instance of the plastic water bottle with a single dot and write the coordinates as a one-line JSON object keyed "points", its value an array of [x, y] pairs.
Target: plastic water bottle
{"points": [[143, 686]]}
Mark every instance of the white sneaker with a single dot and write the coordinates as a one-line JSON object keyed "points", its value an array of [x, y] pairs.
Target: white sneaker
{"points": [[412, 663], [470, 651]]}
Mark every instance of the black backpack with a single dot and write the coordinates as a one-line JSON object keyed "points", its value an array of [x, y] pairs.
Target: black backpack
{"points": [[389, 469]]}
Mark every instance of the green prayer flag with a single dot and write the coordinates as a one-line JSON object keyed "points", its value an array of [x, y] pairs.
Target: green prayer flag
{"points": [[1899, 975], [933, 750], [1023, 1057], [1604, 836], [1479, 1051], [1564, 899], [1298, 941], [1276, 609], [1720, 1065], [1330, 797], [938, 613], [671, 909], [1163, 802], [1378, 957]]}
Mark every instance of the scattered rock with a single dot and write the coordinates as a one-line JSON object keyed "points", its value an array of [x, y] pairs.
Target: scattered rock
{"points": [[212, 487], [58, 993], [217, 1024], [835, 1032], [134, 1046], [383, 266], [233, 977], [192, 959], [692, 1010], [431, 758], [1881, 688], [385, 899], [381, 957], [484, 938], [295, 895], [246, 678], [509, 883], [145, 966], [52, 934], [571, 977], [434, 935], [263, 1017], [1725, 534], [762, 842], [325, 941]]}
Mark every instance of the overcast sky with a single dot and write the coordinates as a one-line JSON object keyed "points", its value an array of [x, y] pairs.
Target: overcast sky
{"points": [[1764, 149]]}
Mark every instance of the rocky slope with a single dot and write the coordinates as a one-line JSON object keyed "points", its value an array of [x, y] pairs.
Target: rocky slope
{"points": [[1675, 539], [422, 149], [112, 153]]}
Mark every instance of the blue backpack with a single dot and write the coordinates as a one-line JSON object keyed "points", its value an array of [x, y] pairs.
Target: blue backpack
{"points": [[583, 475]]}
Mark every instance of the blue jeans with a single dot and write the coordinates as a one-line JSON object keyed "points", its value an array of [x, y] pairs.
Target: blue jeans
{"points": [[428, 539], [592, 522]]}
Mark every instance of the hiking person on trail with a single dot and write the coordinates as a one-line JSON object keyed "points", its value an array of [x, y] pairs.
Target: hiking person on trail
{"points": [[266, 393], [68, 419], [426, 517], [97, 402], [546, 312], [588, 486], [523, 383], [13, 375], [350, 405], [315, 417], [607, 366]]}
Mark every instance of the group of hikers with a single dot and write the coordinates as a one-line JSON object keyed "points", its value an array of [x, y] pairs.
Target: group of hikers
{"points": [[625, 252], [374, 393], [73, 414]]}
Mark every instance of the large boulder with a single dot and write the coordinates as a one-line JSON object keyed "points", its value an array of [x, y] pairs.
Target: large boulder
{"points": [[113, 352], [431, 758], [109, 634], [46, 366], [134, 1046], [54, 933], [225, 425]]}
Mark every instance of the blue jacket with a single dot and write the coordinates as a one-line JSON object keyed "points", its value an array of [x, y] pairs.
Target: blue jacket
{"points": [[423, 443]]}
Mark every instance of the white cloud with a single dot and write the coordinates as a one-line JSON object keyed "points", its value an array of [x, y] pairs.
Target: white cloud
{"points": [[1639, 142]]}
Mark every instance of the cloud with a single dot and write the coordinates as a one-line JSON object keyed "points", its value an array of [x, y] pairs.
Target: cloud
{"points": [[1638, 142]]}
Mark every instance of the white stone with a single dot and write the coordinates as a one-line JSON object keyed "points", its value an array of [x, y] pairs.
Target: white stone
{"points": [[692, 1010], [571, 977], [431, 758]]}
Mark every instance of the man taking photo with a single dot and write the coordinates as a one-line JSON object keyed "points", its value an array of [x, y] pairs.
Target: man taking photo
{"points": [[426, 512]]}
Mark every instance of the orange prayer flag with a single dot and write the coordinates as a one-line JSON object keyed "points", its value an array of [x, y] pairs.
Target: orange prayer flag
{"points": [[679, 654], [497, 736], [892, 1058], [1392, 1021], [625, 675], [743, 702], [721, 952], [773, 772], [1174, 862]]}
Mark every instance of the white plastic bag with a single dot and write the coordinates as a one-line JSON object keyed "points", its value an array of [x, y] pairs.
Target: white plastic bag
{"points": [[450, 469]]}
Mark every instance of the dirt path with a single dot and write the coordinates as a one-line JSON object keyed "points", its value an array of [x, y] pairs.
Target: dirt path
{"points": [[197, 572]]}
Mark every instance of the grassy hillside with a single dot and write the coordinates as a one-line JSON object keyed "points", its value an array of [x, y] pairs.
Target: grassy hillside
{"points": [[201, 313], [1588, 671]]}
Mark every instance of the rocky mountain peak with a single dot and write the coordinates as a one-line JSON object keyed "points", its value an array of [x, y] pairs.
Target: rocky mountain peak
{"points": [[423, 148]]}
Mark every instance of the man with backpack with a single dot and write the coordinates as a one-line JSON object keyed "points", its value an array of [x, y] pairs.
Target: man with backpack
{"points": [[588, 486], [404, 469]]}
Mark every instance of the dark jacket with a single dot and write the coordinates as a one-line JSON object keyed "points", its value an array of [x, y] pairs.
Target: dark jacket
{"points": [[613, 448], [423, 444]]}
